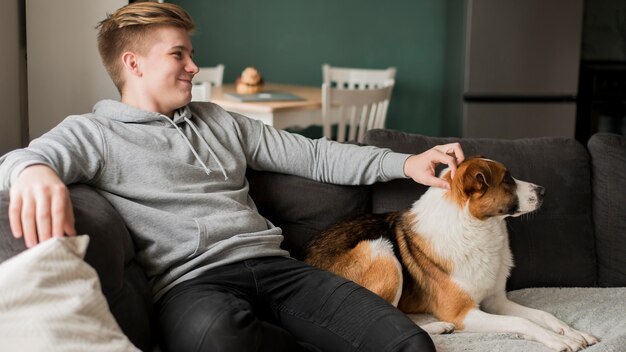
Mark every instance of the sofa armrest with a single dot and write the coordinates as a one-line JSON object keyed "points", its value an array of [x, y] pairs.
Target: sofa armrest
{"points": [[608, 166], [110, 253]]}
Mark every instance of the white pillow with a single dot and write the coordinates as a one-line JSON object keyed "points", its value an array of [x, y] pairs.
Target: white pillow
{"points": [[50, 299]]}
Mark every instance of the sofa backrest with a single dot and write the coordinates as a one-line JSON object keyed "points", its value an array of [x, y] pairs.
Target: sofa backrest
{"points": [[553, 246], [608, 166], [302, 207]]}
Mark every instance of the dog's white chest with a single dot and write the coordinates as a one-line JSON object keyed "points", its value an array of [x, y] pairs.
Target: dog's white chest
{"points": [[482, 261], [478, 250]]}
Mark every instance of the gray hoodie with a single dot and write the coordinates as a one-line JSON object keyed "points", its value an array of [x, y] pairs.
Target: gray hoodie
{"points": [[179, 184]]}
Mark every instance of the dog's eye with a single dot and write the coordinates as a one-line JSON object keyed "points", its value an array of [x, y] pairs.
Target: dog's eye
{"points": [[508, 179]]}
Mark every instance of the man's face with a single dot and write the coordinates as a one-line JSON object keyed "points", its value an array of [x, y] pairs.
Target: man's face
{"points": [[167, 69]]}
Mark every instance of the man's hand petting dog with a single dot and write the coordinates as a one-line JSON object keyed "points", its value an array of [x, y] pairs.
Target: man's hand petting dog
{"points": [[421, 167]]}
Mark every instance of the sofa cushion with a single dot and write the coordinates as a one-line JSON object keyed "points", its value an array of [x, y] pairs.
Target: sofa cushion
{"points": [[51, 299], [110, 252], [608, 166], [553, 246], [303, 207]]}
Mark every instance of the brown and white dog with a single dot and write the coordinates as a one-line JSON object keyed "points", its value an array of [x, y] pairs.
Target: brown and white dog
{"points": [[448, 255]]}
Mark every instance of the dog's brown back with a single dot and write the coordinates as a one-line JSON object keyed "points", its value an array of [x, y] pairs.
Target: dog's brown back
{"points": [[346, 249]]}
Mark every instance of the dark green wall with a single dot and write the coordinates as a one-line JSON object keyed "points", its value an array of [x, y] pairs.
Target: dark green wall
{"points": [[289, 40]]}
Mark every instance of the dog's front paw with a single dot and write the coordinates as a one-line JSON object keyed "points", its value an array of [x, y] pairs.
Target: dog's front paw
{"points": [[587, 339], [562, 328], [438, 328], [591, 340], [561, 342]]}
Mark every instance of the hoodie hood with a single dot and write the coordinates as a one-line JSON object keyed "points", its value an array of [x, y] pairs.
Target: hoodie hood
{"points": [[122, 112]]}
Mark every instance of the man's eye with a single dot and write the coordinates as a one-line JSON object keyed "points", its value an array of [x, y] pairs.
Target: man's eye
{"points": [[178, 55]]}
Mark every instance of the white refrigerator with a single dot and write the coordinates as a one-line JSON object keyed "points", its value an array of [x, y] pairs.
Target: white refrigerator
{"points": [[521, 68]]}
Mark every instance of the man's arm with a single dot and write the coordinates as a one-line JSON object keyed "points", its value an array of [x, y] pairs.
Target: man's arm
{"points": [[269, 149], [40, 206], [278, 151]]}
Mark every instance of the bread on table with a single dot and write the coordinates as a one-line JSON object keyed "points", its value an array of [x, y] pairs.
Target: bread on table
{"points": [[250, 81]]}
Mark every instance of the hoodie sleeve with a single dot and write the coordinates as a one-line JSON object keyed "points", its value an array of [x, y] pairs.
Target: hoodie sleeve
{"points": [[73, 149], [269, 149]]}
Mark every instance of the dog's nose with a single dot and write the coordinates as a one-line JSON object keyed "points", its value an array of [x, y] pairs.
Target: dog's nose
{"points": [[540, 191]]}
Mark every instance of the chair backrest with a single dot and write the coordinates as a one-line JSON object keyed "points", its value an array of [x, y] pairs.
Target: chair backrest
{"points": [[358, 110], [201, 91], [356, 78], [213, 75]]}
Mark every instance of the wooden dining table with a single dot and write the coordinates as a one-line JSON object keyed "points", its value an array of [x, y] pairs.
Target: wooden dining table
{"points": [[278, 113]]}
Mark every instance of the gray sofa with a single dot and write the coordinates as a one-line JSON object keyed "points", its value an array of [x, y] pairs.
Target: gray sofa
{"points": [[570, 255]]}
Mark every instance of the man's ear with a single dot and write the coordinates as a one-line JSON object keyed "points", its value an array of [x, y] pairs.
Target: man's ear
{"points": [[131, 63]]}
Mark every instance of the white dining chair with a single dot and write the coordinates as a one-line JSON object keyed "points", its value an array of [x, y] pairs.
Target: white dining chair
{"points": [[355, 110], [213, 75], [356, 78], [204, 80], [201, 91]]}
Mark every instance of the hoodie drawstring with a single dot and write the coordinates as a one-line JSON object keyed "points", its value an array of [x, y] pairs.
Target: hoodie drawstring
{"points": [[219, 163], [193, 150]]}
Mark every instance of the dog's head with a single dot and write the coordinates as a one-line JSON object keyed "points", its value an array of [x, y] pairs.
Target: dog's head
{"points": [[489, 190]]}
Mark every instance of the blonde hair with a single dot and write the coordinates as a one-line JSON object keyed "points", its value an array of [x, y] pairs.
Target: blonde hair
{"points": [[128, 29]]}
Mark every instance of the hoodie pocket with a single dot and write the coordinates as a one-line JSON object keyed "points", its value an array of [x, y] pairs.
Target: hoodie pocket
{"points": [[200, 238]]}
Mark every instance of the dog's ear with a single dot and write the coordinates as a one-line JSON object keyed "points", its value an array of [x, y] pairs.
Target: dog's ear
{"points": [[476, 178], [482, 179]]}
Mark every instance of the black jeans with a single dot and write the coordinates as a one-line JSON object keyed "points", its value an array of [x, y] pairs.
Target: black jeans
{"points": [[280, 304]]}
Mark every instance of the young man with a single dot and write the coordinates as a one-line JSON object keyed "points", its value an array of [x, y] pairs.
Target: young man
{"points": [[176, 173]]}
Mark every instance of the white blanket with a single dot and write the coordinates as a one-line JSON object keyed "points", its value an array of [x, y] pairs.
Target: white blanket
{"points": [[599, 311]]}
